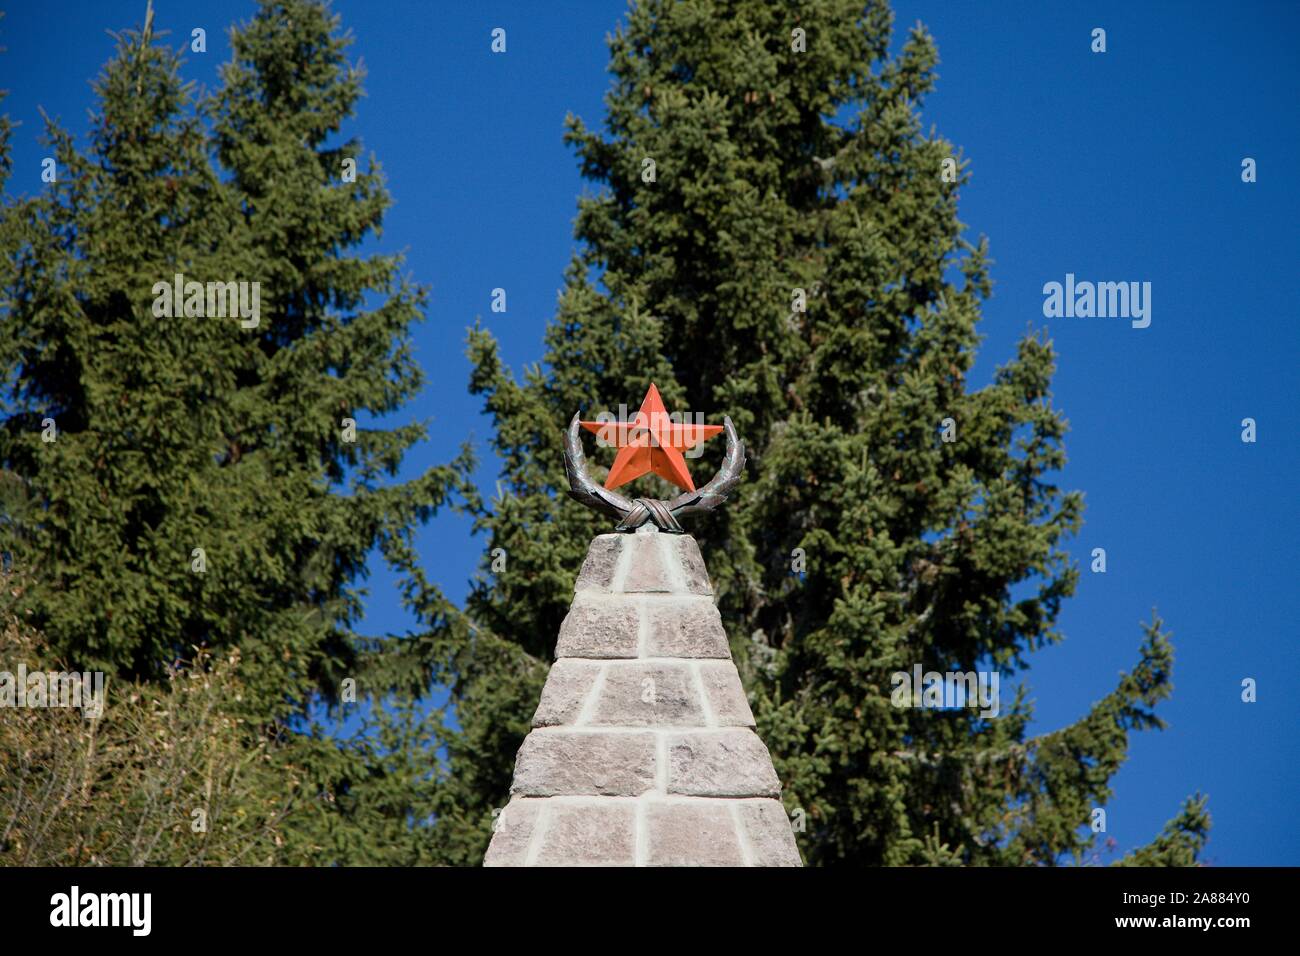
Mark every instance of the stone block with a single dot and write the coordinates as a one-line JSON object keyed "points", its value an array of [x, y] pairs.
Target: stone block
{"points": [[690, 627], [512, 831], [647, 570], [725, 694], [600, 629], [691, 563], [767, 827], [569, 763], [722, 763], [691, 834], [587, 835], [649, 695], [567, 686], [598, 569]]}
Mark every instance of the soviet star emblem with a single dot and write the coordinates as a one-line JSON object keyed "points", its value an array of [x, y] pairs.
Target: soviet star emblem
{"points": [[652, 443]]}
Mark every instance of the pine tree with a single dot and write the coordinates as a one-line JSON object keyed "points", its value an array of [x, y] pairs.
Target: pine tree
{"points": [[774, 240], [327, 359], [173, 434], [190, 481], [114, 418]]}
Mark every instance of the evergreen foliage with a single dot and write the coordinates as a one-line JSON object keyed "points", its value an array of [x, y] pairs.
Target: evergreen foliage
{"points": [[782, 175]]}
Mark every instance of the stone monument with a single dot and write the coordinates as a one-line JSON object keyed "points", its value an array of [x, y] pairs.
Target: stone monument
{"points": [[643, 750]]}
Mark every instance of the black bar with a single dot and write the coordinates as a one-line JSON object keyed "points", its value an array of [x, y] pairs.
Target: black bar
{"points": [[381, 906]]}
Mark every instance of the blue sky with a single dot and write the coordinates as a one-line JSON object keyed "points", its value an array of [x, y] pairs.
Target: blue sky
{"points": [[1122, 166]]}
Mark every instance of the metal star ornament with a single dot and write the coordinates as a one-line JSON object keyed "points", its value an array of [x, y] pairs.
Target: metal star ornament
{"points": [[633, 514], [652, 443]]}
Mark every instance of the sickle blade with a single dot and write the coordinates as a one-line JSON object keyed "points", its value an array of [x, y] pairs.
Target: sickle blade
{"points": [[581, 487], [717, 490]]}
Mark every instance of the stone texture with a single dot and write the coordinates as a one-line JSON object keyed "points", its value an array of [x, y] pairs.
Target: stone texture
{"points": [[692, 564], [604, 629], [691, 627], [566, 690], [649, 695], [592, 785], [691, 834], [512, 831], [602, 561], [585, 835], [724, 763], [768, 830], [552, 762], [725, 695], [647, 571]]}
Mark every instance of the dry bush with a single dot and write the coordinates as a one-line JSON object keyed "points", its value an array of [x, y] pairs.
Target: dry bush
{"points": [[123, 789]]}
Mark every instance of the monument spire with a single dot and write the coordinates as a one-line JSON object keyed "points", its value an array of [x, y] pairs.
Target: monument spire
{"points": [[643, 750]]}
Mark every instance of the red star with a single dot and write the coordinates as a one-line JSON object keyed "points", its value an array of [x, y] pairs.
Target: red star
{"points": [[651, 442]]}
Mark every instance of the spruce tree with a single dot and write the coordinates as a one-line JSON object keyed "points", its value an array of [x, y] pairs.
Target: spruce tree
{"points": [[113, 422], [171, 434], [774, 240], [187, 481]]}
